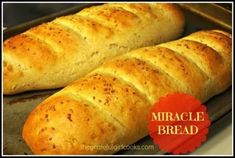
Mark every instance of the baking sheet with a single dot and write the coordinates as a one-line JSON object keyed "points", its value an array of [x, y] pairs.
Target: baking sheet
{"points": [[16, 108]]}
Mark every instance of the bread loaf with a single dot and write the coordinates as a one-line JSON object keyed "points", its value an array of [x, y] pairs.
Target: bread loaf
{"points": [[110, 105], [53, 54]]}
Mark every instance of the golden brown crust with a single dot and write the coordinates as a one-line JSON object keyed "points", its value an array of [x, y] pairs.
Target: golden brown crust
{"points": [[68, 111], [23, 47], [172, 10], [58, 52], [221, 43], [112, 15], [122, 91]]}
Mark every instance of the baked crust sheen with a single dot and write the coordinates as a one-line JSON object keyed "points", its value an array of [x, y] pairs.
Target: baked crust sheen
{"points": [[54, 54], [110, 105]]}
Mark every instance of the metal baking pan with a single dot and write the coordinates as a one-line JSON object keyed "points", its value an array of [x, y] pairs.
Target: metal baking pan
{"points": [[17, 107]]}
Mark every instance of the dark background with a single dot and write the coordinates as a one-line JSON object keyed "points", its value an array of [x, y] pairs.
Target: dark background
{"points": [[14, 14], [18, 13]]}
